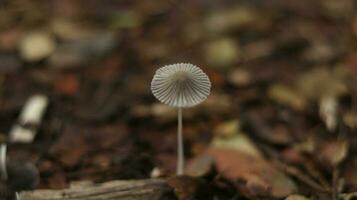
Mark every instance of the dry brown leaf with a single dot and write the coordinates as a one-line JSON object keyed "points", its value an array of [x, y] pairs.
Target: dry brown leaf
{"points": [[199, 166], [228, 128], [239, 142], [333, 152], [260, 177], [322, 82], [350, 119], [287, 96]]}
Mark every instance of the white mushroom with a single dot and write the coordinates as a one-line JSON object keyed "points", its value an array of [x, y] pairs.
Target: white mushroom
{"points": [[180, 85]]}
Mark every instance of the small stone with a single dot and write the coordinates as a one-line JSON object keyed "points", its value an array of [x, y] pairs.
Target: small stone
{"points": [[37, 45]]}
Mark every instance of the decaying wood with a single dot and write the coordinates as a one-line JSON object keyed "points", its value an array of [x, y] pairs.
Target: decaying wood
{"points": [[151, 189]]}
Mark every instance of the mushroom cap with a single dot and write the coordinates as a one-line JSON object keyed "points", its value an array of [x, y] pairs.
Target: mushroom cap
{"points": [[180, 85]]}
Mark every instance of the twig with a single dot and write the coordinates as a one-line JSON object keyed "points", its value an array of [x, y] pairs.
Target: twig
{"points": [[293, 171], [151, 189], [300, 176], [335, 190]]}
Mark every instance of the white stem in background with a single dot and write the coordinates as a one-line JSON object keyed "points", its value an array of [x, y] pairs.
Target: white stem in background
{"points": [[180, 150], [31, 114], [3, 162], [17, 196]]}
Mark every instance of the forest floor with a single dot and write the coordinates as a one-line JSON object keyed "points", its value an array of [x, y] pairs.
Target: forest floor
{"points": [[280, 122]]}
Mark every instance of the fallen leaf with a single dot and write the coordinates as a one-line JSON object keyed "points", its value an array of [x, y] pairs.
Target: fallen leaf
{"points": [[350, 119], [259, 176], [238, 142], [321, 82], [260, 126], [199, 166], [287, 96], [333, 152], [227, 129]]}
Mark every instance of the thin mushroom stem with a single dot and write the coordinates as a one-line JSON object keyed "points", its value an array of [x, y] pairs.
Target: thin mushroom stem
{"points": [[180, 159]]}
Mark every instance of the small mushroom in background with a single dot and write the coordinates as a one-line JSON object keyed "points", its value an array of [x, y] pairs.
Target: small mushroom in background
{"points": [[180, 85], [29, 120], [16, 175]]}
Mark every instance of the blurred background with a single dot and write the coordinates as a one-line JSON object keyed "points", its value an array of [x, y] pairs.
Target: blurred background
{"points": [[284, 90]]}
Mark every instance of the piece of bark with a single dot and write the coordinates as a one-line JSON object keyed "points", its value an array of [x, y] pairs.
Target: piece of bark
{"points": [[150, 189]]}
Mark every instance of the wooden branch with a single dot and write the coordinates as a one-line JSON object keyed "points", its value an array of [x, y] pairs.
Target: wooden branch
{"points": [[150, 189]]}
